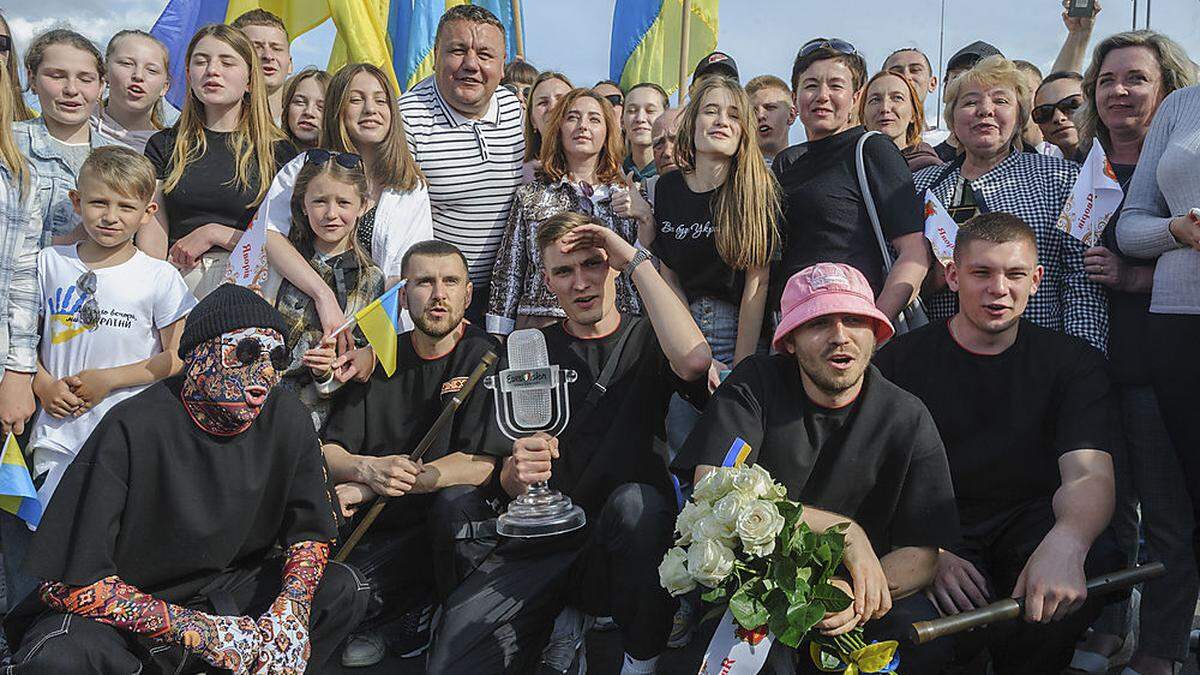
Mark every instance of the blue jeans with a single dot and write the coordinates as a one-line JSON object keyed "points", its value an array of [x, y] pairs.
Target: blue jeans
{"points": [[718, 321]]}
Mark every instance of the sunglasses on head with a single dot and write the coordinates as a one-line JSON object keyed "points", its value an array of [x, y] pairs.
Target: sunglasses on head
{"points": [[346, 160], [1045, 112], [615, 99], [840, 46], [89, 311], [5, 44]]}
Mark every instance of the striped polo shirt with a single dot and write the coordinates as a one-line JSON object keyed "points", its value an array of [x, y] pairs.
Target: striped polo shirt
{"points": [[473, 168]]}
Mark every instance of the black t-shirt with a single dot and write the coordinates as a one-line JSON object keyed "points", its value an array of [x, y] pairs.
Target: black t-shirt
{"points": [[614, 443], [685, 241], [878, 460], [1126, 311], [208, 192], [168, 507], [390, 415], [1007, 418], [825, 215]]}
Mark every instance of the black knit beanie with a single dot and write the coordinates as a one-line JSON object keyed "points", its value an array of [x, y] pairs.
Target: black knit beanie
{"points": [[230, 307]]}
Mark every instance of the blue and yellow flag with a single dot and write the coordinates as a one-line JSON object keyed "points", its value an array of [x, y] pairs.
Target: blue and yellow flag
{"points": [[380, 323], [17, 494], [646, 36]]}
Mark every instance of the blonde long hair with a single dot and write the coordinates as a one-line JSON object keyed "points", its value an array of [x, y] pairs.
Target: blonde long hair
{"points": [[252, 143], [746, 208], [394, 167], [10, 156], [21, 110]]}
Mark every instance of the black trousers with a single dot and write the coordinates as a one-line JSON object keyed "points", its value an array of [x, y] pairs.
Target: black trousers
{"points": [[999, 545], [1172, 341], [59, 643], [500, 617], [423, 549], [928, 658]]}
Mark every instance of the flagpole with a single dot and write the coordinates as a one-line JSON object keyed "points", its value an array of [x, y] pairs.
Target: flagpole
{"points": [[518, 28], [685, 37]]}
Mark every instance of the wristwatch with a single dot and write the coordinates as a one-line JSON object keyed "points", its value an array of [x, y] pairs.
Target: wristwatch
{"points": [[638, 258]]}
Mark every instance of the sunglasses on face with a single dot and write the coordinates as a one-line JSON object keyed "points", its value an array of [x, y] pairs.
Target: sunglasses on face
{"points": [[89, 312], [247, 350], [346, 160], [1045, 112], [615, 99], [5, 44], [840, 46]]}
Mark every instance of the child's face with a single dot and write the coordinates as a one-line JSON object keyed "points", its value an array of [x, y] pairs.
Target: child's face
{"points": [[217, 74], [110, 218], [67, 84], [137, 74], [333, 208]]}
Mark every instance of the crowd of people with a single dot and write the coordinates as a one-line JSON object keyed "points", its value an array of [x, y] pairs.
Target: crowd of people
{"points": [[1008, 421]]}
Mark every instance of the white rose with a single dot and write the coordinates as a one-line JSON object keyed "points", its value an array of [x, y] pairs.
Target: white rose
{"points": [[727, 508], [752, 484], [774, 490], [709, 562], [673, 573], [758, 524], [714, 485], [711, 527], [760, 551], [685, 522]]}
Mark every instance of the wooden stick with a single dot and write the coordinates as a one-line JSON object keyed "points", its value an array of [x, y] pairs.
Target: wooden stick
{"points": [[430, 436], [685, 37], [518, 28], [1010, 608]]}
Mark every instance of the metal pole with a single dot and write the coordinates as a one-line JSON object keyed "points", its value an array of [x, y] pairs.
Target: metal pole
{"points": [[1148, 14], [685, 36], [1134, 15], [519, 28], [941, 65]]}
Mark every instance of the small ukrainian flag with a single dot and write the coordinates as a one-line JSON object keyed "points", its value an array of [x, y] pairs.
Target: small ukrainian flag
{"points": [[17, 494], [380, 323]]}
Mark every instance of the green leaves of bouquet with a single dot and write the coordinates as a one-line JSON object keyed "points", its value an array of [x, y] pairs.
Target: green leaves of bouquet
{"points": [[745, 542]]}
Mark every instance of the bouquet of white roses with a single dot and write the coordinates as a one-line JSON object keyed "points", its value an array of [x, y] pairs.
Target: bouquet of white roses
{"points": [[745, 543]]}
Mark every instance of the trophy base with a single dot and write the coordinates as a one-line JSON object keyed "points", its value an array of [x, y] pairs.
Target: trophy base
{"points": [[540, 512]]}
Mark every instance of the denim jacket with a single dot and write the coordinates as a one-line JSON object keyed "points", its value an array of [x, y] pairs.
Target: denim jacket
{"points": [[20, 242], [55, 177]]}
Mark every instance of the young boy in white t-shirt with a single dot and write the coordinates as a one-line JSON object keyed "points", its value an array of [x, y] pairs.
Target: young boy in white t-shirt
{"points": [[112, 316]]}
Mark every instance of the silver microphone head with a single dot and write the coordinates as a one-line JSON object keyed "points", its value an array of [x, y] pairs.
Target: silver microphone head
{"points": [[527, 349]]}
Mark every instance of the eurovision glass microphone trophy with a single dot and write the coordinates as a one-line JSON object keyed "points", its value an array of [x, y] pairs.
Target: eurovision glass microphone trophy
{"points": [[532, 396]]}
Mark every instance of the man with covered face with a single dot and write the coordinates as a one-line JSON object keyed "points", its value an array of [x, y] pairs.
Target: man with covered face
{"points": [[850, 446], [193, 530]]}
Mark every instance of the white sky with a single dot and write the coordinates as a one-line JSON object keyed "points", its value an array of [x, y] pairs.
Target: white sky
{"points": [[762, 35]]}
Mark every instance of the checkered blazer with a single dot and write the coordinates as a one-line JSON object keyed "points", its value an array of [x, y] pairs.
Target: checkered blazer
{"points": [[1032, 187]]}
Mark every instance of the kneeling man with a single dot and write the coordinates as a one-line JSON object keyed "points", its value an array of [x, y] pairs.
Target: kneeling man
{"points": [[851, 447], [1024, 412]]}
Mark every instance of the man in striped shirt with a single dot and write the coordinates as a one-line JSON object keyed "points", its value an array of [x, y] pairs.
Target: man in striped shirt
{"points": [[467, 137]]}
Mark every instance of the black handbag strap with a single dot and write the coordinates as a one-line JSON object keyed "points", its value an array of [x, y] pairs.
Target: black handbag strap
{"points": [[600, 386]]}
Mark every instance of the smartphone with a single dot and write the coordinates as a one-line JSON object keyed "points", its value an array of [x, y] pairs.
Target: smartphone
{"points": [[1082, 8]]}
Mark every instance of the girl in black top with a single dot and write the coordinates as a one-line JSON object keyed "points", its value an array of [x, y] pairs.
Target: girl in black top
{"points": [[715, 221], [825, 213], [215, 165]]}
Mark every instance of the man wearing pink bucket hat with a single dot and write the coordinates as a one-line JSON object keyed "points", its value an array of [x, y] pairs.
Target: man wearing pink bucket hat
{"points": [[849, 445]]}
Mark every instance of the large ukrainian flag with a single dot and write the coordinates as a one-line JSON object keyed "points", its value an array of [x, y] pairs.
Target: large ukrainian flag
{"points": [[646, 36]]}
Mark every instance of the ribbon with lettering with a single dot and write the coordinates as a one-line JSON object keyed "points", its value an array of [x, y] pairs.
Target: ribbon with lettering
{"points": [[940, 229], [1093, 200]]}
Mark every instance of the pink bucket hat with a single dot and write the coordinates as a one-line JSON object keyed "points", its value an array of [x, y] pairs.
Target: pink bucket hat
{"points": [[828, 288]]}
